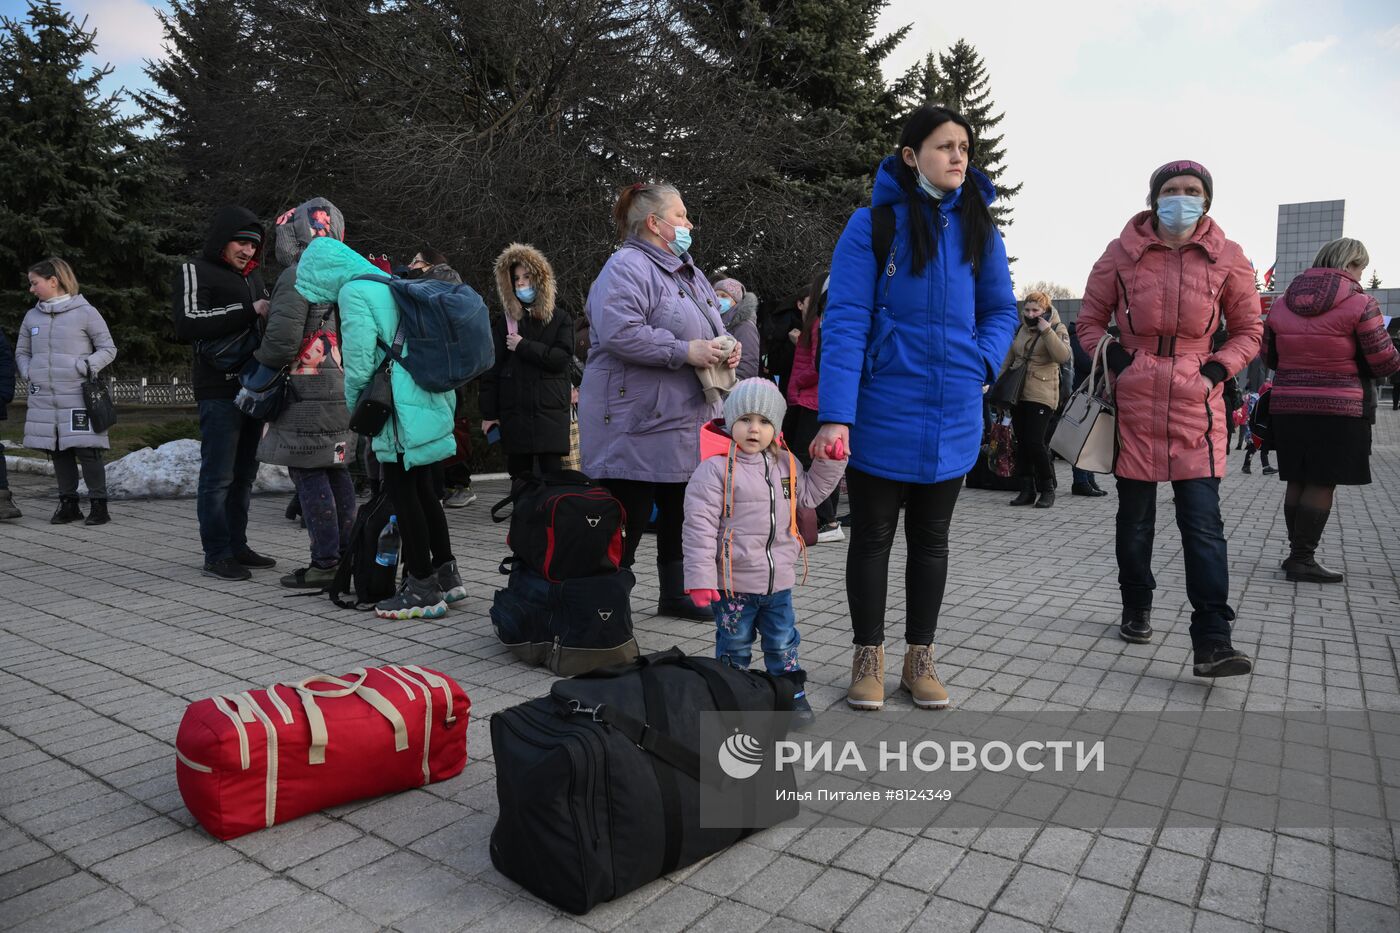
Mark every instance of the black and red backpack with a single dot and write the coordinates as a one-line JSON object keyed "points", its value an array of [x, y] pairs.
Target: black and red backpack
{"points": [[564, 526]]}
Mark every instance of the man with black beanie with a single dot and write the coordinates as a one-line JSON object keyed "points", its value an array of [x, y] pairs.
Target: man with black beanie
{"points": [[219, 299]]}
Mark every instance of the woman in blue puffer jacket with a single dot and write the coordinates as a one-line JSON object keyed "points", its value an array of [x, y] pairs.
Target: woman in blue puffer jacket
{"points": [[909, 340]]}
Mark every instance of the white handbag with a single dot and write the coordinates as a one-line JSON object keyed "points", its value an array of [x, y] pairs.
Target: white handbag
{"points": [[1087, 434]]}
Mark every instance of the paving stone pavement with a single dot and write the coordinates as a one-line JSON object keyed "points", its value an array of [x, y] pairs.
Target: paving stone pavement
{"points": [[107, 633]]}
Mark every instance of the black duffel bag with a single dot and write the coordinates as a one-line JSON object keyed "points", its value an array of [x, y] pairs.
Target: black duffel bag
{"points": [[599, 783], [571, 627]]}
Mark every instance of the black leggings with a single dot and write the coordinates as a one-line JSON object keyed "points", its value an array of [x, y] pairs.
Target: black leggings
{"points": [[422, 524], [875, 503], [804, 428], [637, 498], [1031, 423]]}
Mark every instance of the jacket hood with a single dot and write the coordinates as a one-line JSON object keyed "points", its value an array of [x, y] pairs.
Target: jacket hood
{"points": [[888, 191], [71, 303], [327, 266], [743, 312], [296, 229], [225, 223], [442, 272], [1317, 291], [540, 270], [1139, 234]]}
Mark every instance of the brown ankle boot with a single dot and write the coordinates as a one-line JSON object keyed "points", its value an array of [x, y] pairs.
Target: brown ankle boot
{"points": [[921, 680], [867, 690]]}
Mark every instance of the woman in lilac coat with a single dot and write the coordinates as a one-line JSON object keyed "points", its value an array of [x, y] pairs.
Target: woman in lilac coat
{"points": [[655, 325]]}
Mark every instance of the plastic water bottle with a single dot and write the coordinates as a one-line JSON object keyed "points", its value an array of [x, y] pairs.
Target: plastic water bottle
{"points": [[387, 553]]}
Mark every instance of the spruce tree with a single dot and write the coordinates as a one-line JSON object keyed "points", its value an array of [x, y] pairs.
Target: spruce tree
{"points": [[965, 87], [1375, 280], [807, 114], [80, 183]]}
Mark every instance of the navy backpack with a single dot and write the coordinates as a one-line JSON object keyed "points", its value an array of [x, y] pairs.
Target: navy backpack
{"points": [[446, 332]]}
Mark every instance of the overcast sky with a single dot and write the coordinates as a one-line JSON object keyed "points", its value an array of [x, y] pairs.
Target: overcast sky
{"points": [[1283, 100]]}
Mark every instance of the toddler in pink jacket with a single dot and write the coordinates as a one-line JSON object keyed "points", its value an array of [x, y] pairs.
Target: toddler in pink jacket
{"points": [[741, 539]]}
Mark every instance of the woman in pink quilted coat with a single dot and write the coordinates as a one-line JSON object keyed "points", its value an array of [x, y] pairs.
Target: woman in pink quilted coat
{"points": [[1169, 282], [1326, 340]]}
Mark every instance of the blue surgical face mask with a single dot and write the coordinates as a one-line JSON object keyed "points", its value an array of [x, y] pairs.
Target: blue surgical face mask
{"points": [[526, 294], [929, 188], [1178, 213], [681, 244], [725, 304]]}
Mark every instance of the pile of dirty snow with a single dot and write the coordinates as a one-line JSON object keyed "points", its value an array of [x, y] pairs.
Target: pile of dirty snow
{"points": [[172, 470]]}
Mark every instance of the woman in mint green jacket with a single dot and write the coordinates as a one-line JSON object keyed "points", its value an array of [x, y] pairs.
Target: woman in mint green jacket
{"points": [[417, 435]]}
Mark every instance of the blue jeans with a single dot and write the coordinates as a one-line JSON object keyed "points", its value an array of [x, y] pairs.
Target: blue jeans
{"points": [[1203, 549], [4, 471], [740, 617], [1082, 477], [228, 464]]}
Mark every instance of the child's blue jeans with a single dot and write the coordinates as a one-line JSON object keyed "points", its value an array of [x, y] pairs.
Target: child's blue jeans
{"points": [[740, 618]]}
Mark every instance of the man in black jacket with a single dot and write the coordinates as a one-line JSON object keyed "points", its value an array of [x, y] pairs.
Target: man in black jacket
{"points": [[220, 294]]}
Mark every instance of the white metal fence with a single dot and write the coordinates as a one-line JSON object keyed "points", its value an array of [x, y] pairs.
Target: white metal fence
{"points": [[136, 391]]}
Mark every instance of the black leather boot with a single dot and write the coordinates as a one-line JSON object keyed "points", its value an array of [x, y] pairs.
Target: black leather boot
{"points": [[1220, 659], [1047, 494], [1301, 566], [1027, 496], [1136, 626], [97, 512], [673, 600], [67, 511]]}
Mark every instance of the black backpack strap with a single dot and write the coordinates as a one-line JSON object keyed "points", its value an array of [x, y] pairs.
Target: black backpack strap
{"points": [[652, 740], [394, 352], [882, 238], [495, 509]]}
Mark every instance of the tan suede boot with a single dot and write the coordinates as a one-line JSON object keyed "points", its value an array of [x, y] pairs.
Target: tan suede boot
{"points": [[921, 680], [867, 689]]}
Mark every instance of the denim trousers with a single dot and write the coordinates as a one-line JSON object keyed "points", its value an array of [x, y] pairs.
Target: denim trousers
{"points": [[741, 617], [1203, 549], [4, 470], [228, 464], [327, 497]]}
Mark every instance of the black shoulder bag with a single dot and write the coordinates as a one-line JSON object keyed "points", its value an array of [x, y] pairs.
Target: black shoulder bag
{"points": [[376, 401], [102, 414]]}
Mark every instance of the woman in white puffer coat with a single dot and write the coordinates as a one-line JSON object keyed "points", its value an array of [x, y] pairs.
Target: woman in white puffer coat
{"points": [[62, 340]]}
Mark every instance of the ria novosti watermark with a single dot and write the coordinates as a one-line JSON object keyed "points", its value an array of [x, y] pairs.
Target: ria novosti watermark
{"points": [[913, 769]]}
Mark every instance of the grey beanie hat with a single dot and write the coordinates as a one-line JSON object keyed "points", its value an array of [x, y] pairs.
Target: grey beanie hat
{"points": [[755, 397]]}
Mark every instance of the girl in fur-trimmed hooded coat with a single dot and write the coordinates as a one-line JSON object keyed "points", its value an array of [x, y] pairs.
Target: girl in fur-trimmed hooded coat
{"points": [[527, 392]]}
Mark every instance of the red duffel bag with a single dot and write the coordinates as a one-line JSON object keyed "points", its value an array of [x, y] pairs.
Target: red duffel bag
{"points": [[261, 757]]}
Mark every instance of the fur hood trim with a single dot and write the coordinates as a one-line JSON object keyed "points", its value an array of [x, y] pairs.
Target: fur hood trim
{"points": [[540, 270], [744, 311]]}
